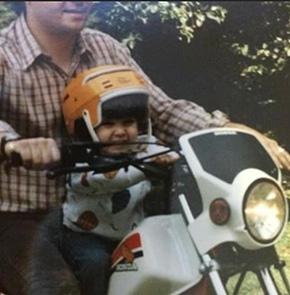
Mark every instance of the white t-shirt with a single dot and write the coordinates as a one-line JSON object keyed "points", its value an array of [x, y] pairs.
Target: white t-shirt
{"points": [[107, 204]]}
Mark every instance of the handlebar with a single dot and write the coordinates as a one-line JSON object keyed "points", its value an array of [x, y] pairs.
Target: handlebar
{"points": [[80, 157], [87, 156]]}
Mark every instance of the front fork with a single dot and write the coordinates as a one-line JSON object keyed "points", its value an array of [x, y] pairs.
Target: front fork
{"points": [[210, 267], [264, 275]]}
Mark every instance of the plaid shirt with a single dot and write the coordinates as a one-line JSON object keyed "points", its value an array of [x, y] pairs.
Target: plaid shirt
{"points": [[30, 94]]}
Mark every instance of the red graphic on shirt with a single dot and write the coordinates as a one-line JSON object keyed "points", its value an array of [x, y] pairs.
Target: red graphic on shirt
{"points": [[84, 180], [87, 221]]}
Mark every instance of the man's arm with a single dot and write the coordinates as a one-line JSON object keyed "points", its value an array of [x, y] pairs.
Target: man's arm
{"points": [[172, 118], [279, 154], [36, 153]]}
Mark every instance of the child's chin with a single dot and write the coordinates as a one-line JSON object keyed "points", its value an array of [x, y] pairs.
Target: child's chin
{"points": [[116, 151]]}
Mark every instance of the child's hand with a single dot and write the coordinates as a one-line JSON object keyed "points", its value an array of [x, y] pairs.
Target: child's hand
{"points": [[166, 160]]}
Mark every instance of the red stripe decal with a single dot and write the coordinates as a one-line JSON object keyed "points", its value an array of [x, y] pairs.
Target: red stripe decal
{"points": [[131, 243]]}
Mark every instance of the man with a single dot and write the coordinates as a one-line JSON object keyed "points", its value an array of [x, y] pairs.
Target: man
{"points": [[39, 53]]}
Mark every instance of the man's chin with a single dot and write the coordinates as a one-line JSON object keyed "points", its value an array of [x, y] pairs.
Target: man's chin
{"points": [[71, 25]]}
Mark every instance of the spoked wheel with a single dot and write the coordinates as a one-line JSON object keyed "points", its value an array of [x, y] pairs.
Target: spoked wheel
{"points": [[234, 260]]}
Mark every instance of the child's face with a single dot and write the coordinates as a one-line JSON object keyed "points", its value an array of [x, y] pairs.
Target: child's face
{"points": [[117, 131]]}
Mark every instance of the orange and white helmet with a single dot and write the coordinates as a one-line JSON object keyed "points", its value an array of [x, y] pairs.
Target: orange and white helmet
{"points": [[87, 93]]}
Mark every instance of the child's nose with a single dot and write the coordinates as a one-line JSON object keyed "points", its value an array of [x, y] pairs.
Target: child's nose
{"points": [[120, 130]]}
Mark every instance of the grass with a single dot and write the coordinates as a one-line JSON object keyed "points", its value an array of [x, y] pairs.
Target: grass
{"points": [[251, 285]]}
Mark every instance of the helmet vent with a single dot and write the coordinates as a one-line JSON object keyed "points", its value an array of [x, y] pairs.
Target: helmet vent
{"points": [[107, 84], [66, 97]]}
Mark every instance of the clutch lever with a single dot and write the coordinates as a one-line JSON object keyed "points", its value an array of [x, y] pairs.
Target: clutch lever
{"points": [[86, 153]]}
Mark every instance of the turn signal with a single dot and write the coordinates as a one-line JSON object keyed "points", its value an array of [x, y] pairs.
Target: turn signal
{"points": [[219, 211]]}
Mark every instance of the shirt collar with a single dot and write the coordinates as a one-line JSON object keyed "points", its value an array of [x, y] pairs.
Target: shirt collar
{"points": [[30, 50], [83, 44]]}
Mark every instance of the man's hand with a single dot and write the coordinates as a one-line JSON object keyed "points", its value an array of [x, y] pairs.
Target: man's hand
{"points": [[279, 154], [166, 159], [36, 153]]}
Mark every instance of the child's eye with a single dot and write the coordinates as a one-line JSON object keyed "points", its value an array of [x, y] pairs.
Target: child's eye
{"points": [[108, 123], [129, 121]]}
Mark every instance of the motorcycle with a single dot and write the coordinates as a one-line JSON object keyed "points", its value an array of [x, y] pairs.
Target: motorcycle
{"points": [[228, 210]]}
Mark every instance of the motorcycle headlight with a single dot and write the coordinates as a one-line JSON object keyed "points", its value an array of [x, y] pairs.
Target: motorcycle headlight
{"points": [[264, 211]]}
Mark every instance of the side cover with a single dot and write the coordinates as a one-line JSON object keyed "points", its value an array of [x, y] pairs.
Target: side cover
{"points": [[156, 258]]}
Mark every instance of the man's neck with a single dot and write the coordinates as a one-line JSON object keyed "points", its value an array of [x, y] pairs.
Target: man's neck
{"points": [[59, 47]]}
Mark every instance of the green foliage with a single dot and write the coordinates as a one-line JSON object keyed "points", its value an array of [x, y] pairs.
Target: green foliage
{"points": [[270, 55], [267, 59], [126, 18], [6, 15]]}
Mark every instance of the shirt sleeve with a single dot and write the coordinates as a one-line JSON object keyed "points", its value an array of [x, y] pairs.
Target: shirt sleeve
{"points": [[106, 183], [171, 118], [5, 128]]}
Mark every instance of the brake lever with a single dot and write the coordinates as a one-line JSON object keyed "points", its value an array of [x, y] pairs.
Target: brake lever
{"points": [[97, 169], [152, 170], [100, 166]]}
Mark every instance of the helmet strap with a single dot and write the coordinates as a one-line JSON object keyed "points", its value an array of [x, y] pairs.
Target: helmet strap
{"points": [[149, 130], [88, 122], [87, 119], [148, 136]]}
